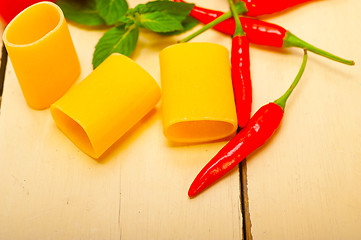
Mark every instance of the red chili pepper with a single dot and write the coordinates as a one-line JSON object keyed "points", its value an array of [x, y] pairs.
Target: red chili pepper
{"points": [[254, 8], [261, 32], [262, 7], [259, 129], [10, 8], [241, 79], [241, 74]]}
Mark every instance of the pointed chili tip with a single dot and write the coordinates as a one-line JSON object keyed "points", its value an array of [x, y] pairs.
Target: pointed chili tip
{"points": [[192, 192], [242, 124]]}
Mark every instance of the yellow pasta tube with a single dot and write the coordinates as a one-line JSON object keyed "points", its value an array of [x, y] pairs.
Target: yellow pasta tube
{"points": [[42, 53], [107, 103], [197, 99]]}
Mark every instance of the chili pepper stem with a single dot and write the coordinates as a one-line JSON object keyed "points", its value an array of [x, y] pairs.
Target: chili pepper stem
{"points": [[290, 40], [239, 30], [283, 99], [207, 26], [240, 8]]}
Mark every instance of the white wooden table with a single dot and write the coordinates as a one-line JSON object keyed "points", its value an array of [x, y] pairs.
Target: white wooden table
{"points": [[305, 183]]}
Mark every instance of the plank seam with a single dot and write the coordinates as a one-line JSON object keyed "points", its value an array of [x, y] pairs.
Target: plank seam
{"points": [[4, 59], [246, 219]]}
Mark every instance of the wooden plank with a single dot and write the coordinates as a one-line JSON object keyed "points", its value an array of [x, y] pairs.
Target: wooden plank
{"points": [[305, 183], [138, 190], [247, 224], [50, 189]]}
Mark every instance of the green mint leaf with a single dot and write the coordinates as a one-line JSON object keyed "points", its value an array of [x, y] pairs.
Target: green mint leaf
{"points": [[130, 12], [128, 18], [117, 40], [129, 24], [82, 12], [177, 10], [124, 19], [188, 23], [112, 10], [159, 22], [139, 8]]}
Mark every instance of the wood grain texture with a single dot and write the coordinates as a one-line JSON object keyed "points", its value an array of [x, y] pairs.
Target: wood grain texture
{"points": [[137, 190], [305, 183]]}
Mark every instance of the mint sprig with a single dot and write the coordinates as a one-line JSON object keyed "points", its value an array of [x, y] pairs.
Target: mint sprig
{"points": [[162, 16], [188, 23], [177, 10], [159, 22], [82, 12], [116, 40], [157, 16], [111, 10]]}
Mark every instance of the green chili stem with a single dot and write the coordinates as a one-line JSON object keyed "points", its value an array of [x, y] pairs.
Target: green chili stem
{"points": [[282, 100], [208, 26], [240, 8], [239, 30], [291, 40]]}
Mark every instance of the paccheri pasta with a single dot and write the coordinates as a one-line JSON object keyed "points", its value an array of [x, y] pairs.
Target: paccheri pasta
{"points": [[198, 102], [42, 53], [107, 103]]}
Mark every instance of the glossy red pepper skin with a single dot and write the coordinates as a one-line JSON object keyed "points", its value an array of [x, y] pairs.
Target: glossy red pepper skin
{"points": [[257, 31], [261, 33], [241, 79], [262, 7], [10, 8], [260, 128], [254, 8]]}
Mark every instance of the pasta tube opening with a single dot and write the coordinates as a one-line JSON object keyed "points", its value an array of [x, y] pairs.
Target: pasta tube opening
{"points": [[203, 130], [42, 53], [25, 28], [198, 102], [74, 131]]}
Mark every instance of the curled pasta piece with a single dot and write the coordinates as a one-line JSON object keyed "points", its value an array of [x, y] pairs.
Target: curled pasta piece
{"points": [[42, 53], [107, 103], [198, 102]]}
